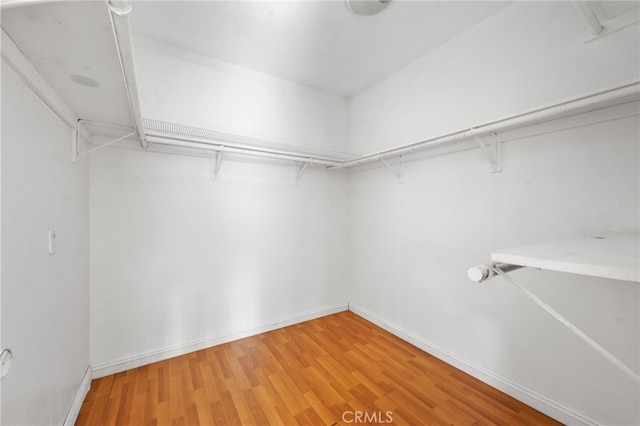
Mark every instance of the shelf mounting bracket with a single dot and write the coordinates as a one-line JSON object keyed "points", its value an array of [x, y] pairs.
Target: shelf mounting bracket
{"points": [[216, 162], [397, 171], [300, 171], [496, 269], [75, 144], [492, 150]]}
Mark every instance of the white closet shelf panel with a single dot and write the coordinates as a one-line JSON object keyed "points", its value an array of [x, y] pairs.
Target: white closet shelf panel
{"points": [[614, 255]]}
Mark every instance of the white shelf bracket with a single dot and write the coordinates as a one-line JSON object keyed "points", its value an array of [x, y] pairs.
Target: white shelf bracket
{"points": [[496, 269], [104, 145], [300, 171], [492, 150], [397, 171], [216, 162]]}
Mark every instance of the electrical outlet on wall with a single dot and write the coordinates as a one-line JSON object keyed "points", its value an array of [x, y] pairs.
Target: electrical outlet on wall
{"points": [[52, 241]]}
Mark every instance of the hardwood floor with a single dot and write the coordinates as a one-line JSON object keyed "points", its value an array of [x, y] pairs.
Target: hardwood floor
{"points": [[336, 370]]}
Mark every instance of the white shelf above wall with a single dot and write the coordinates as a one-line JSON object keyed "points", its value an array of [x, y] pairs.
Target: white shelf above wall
{"points": [[614, 255]]}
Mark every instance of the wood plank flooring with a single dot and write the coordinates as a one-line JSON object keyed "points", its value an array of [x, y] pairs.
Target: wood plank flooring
{"points": [[335, 370]]}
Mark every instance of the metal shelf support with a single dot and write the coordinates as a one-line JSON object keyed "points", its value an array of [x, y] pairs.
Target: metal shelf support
{"points": [[301, 168], [104, 145], [483, 273], [76, 134], [492, 150], [397, 171], [575, 330], [216, 162]]}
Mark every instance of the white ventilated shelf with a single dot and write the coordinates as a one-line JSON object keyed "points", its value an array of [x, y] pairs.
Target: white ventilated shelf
{"points": [[614, 255]]}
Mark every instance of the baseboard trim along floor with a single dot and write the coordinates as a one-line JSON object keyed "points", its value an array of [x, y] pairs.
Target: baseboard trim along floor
{"points": [[521, 393], [76, 405], [338, 369], [517, 391], [107, 368]]}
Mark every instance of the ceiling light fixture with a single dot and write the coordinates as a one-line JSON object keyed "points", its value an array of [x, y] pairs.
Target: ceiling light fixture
{"points": [[366, 7]]}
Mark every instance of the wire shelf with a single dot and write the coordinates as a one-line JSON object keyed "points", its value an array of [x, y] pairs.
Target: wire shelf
{"points": [[173, 129]]}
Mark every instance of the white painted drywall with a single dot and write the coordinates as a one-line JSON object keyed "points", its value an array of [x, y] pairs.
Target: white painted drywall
{"points": [[182, 87], [45, 298], [526, 56], [451, 213], [412, 243], [178, 258], [1, 346]]}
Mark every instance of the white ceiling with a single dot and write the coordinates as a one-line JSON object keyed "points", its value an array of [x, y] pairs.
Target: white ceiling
{"points": [[319, 44], [315, 43], [63, 39]]}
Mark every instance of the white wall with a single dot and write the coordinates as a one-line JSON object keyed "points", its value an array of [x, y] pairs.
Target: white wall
{"points": [[411, 244], [177, 258], [526, 56], [45, 298], [182, 87]]}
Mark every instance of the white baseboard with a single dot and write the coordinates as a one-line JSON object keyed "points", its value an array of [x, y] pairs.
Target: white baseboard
{"points": [[532, 398], [107, 368], [76, 405]]}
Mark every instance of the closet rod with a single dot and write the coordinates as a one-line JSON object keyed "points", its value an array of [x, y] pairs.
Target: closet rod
{"points": [[119, 13], [530, 117], [482, 273], [191, 142], [575, 106]]}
